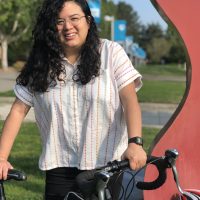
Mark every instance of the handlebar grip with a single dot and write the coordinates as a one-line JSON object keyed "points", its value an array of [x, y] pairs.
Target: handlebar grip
{"points": [[123, 164], [86, 182], [161, 165], [16, 175]]}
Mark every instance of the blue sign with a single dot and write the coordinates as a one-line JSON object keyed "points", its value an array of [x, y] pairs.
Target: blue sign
{"points": [[138, 51], [119, 30], [95, 7], [129, 38]]}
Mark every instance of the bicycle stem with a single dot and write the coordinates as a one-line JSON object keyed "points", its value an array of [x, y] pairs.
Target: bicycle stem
{"points": [[103, 178]]}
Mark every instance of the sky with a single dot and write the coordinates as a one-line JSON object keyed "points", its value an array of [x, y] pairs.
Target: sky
{"points": [[146, 12]]}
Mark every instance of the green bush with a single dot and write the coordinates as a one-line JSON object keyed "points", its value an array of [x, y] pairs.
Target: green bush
{"points": [[18, 65]]}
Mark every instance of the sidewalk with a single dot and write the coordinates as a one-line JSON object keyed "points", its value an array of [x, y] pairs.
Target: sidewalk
{"points": [[156, 115], [5, 105], [153, 115], [7, 79]]}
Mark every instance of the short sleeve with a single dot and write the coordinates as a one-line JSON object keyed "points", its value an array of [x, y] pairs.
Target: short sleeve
{"points": [[23, 94], [124, 72]]}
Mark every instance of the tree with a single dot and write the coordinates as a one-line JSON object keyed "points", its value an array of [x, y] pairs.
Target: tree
{"points": [[177, 52], [157, 49], [120, 11], [149, 32], [15, 20], [152, 39], [126, 12]]}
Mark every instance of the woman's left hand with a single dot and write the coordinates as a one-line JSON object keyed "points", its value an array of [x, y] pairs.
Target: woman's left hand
{"points": [[136, 155]]}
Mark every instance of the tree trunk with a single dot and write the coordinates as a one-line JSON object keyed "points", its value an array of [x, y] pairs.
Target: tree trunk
{"points": [[4, 54]]}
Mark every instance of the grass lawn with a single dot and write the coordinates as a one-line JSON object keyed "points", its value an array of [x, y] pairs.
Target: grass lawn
{"points": [[163, 70], [149, 135], [161, 91], [9, 93], [25, 155]]}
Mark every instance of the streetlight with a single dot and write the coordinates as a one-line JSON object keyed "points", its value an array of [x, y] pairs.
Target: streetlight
{"points": [[112, 20]]}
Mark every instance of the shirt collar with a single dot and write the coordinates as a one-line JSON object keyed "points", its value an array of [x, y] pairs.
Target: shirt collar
{"points": [[74, 64]]}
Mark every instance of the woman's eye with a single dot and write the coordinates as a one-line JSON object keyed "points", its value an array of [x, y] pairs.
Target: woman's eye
{"points": [[74, 19], [60, 21]]}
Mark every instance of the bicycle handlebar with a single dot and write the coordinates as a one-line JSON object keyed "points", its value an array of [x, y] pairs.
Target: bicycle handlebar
{"points": [[15, 175], [161, 165], [87, 179]]}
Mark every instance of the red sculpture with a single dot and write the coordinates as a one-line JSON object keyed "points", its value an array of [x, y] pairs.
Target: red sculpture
{"points": [[183, 130]]}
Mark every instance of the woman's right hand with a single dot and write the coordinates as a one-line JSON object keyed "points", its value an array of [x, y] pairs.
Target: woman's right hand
{"points": [[4, 167]]}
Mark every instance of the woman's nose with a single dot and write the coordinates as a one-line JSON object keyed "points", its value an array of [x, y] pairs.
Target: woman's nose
{"points": [[68, 25]]}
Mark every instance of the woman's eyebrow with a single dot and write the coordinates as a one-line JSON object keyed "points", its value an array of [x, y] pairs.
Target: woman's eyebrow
{"points": [[73, 15]]}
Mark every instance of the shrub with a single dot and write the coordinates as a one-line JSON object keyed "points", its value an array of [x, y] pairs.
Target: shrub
{"points": [[18, 65]]}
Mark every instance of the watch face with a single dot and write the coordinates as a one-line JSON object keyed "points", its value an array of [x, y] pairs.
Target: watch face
{"points": [[136, 140]]}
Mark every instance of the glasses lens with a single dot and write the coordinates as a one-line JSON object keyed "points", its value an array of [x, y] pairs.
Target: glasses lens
{"points": [[75, 20]]}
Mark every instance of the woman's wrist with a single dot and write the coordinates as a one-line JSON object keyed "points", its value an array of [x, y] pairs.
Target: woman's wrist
{"points": [[2, 158], [136, 140]]}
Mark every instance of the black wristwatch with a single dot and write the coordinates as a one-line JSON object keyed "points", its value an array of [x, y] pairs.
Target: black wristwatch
{"points": [[136, 140]]}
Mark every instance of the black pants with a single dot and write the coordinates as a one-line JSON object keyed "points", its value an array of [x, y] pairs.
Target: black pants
{"points": [[59, 182]]}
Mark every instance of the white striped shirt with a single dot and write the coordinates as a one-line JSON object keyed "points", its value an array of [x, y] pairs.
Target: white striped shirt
{"points": [[83, 126]]}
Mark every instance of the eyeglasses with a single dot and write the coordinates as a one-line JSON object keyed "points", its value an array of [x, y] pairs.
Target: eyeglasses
{"points": [[74, 20]]}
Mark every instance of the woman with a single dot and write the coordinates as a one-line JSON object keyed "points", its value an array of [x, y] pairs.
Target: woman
{"points": [[83, 90]]}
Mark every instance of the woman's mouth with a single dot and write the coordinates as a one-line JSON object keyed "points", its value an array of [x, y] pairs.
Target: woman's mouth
{"points": [[70, 36]]}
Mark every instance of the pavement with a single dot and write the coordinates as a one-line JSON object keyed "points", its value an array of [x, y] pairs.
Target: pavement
{"points": [[153, 115]]}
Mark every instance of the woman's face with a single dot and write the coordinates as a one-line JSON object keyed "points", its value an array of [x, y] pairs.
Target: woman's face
{"points": [[72, 27]]}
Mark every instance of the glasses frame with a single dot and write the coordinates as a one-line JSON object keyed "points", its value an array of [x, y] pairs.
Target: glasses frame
{"points": [[77, 21]]}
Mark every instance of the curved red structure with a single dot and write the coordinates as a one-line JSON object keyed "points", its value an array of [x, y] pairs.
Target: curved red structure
{"points": [[183, 130]]}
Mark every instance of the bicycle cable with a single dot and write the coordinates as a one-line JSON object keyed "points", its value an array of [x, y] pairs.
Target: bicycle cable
{"points": [[124, 193], [136, 173]]}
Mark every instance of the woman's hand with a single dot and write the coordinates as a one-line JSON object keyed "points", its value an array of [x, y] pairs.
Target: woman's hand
{"points": [[4, 167], [136, 155]]}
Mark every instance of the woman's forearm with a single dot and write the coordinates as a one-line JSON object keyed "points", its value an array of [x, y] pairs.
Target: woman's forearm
{"points": [[133, 120], [11, 127]]}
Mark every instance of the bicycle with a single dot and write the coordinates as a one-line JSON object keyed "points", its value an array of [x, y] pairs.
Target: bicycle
{"points": [[93, 184], [99, 179]]}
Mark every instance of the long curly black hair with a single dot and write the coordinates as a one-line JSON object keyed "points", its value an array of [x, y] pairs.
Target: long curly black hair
{"points": [[44, 64]]}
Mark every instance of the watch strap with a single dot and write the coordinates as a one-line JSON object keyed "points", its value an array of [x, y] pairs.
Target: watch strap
{"points": [[136, 140]]}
